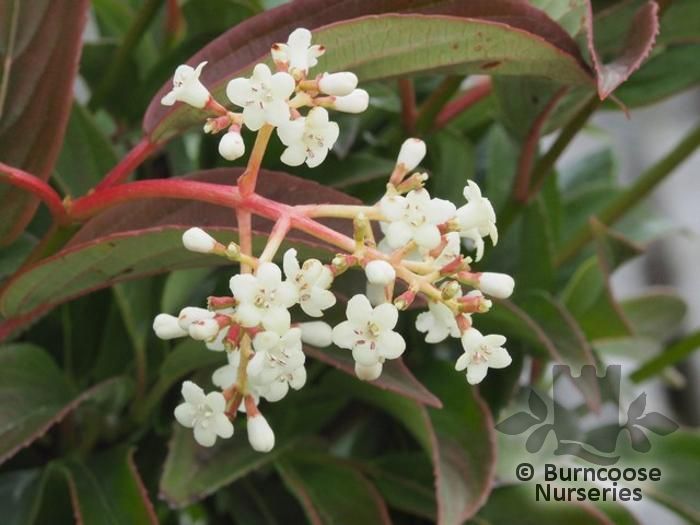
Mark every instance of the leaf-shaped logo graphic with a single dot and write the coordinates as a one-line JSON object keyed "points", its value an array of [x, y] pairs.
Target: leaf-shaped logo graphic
{"points": [[636, 408], [537, 406], [517, 423], [536, 440], [657, 423]]}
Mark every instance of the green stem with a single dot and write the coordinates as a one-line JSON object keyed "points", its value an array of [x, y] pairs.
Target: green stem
{"points": [[545, 164], [120, 61], [634, 194]]}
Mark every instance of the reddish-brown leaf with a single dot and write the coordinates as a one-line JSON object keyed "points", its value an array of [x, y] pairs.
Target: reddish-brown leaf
{"points": [[41, 42]]}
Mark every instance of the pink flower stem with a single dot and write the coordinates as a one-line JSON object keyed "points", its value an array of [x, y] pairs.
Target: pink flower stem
{"points": [[279, 232], [249, 179], [461, 104], [40, 189], [245, 236], [140, 152]]}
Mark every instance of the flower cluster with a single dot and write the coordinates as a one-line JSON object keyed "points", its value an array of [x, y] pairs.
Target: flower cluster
{"points": [[275, 99], [419, 255]]}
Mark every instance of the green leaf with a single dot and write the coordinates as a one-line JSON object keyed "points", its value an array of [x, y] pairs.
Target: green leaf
{"points": [[656, 314], [86, 155], [458, 437], [570, 343], [453, 165], [143, 238], [515, 504], [670, 356], [405, 480], [179, 287], [192, 472], [571, 15], [12, 256], [106, 490], [469, 38], [34, 395], [331, 492], [396, 377], [501, 154], [39, 59], [536, 268], [20, 496], [678, 457]]}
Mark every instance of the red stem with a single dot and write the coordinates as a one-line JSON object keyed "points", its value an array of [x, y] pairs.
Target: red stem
{"points": [[140, 152], [409, 111], [21, 179], [458, 106], [521, 188]]}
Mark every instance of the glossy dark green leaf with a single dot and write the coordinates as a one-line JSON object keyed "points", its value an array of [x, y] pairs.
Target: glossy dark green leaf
{"points": [[331, 492], [106, 490], [20, 496], [536, 263]]}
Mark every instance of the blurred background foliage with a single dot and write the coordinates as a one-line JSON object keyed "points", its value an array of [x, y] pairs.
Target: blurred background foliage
{"points": [[87, 391]]}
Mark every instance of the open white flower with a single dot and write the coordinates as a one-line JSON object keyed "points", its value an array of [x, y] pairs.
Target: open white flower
{"points": [[450, 252], [368, 332], [437, 323], [263, 97], [414, 217], [225, 376], [298, 53], [308, 139], [204, 413], [262, 296], [277, 351], [187, 88], [477, 218], [312, 281], [481, 352]]}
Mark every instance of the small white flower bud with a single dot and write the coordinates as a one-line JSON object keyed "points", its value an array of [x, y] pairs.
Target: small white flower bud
{"points": [[368, 373], [167, 327], [260, 435], [197, 240], [411, 154], [499, 285], [338, 84], [191, 314], [380, 272], [204, 330], [316, 333], [355, 102], [231, 145]]}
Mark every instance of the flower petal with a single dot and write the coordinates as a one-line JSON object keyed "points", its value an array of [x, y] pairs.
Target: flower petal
{"points": [[205, 436], [344, 335], [282, 85], [359, 310], [390, 345], [385, 316], [244, 287], [294, 155], [239, 92], [499, 358], [222, 425], [192, 393], [185, 414], [476, 373], [216, 401], [253, 117]]}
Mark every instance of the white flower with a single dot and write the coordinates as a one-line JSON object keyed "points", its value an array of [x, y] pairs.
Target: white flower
{"points": [[368, 373], [481, 353], [414, 217], [197, 240], [355, 102], [379, 271], [187, 88], [477, 219], [262, 296], [338, 84], [316, 333], [498, 285], [204, 413], [376, 293], [437, 323], [231, 145], [167, 327], [308, 139], [277, 351], [263, 97], [411, 154], [368, 332], [298, 52], [260, 434], [192, 314], [312, 281], [217, 343]]}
